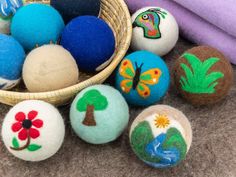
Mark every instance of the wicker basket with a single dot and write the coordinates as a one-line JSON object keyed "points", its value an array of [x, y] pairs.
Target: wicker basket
{"points": [[116, 14]]}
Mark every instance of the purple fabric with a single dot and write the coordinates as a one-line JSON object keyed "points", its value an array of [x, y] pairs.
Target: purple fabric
{"points": [[193, 27], [221, 13]]}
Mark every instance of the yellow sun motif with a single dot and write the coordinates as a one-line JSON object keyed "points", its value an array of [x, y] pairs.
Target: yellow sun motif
{"points": [[161, 121]]}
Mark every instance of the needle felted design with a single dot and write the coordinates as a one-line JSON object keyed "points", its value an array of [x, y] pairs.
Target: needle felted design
{"points": [[9, 7], [99, 114], [143, 78], [161, 136], [203, 75], [150, 21], [33, 130], [151, 30]]}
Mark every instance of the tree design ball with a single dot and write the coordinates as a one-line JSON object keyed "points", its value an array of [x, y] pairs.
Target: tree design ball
{"points": [[155, 30], [34, 25], [203, 75], [33, 130], [143, 78], [99, 114], [161, 136]]}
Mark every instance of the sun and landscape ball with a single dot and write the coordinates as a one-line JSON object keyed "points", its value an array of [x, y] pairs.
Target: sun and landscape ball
{"points": [[33, 130], [34, 25], [91, 42], [70, 9], [99, 114], [143, 78], [12, 57], [203, 75], [49, 67], [161, 136], [154, 29]]}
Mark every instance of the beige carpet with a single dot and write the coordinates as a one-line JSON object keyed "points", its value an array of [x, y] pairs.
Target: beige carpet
{"points": [[213, 151]]}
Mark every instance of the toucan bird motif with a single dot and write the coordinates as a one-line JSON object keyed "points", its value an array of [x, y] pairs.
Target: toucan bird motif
{"points": [[150, 22]]}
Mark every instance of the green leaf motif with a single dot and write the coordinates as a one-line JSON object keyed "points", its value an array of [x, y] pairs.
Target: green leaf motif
{"points": [[15, 143], [33, 147], [140, 137], [92, 97], [197, 79]]}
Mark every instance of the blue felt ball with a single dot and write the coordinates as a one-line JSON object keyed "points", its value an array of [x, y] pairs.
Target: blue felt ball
{"points": [[99, 114], [70, 9], [36, 24], [143, 78], [90, 41], [12, 57]]}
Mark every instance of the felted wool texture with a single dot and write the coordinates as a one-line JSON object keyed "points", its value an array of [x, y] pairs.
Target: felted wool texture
{"points": [[90, 41], [12, 57], [70, 9], [48, 68], [156, 86], [35, 25], [111, 114], [154, 32], [150, 135], [9, 7], [45, 129], [205, 78]]}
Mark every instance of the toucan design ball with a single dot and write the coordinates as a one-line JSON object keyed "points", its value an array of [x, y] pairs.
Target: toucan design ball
{"points": [[33, 130], [34, 25], [143, 78], [99, 114], [91, 42], [161, 136], [12, 57], [48, 68], [203, 75], [155, 30], [71, 8]]}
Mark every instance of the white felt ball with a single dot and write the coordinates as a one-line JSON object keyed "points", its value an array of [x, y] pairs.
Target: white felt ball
{"points": [[155, 30], [49, 68], [33, 130]]}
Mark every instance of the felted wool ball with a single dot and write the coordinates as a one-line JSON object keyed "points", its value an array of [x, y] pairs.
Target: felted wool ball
{"points": [[99, 114], [161, 136], [9, 7], [143, 78], [33, 130], [12, 57], [203, 75], [91, 42], [155, 30], [71, 8], [49, 68], [34, 25]]}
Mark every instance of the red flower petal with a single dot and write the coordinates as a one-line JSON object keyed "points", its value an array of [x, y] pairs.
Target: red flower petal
{"points": [[16, 126], [20, 116], [34, 133], [37, 123], [32, 115], [23, 134]]}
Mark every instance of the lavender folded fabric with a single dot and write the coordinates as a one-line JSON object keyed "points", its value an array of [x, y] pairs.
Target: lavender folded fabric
{"points": [[193, 27], [219, 13]]}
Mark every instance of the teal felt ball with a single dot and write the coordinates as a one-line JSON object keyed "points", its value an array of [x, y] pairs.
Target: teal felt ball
{"points": [[143, 78], [99, 114], [36, 24], [12, 57]]}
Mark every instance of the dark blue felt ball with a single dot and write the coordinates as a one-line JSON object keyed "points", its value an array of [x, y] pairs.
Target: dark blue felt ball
{"points": [[90, 41], [70, 9]]}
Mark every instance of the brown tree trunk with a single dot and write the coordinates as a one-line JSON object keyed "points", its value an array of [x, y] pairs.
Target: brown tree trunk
{"points": [[89, 116]]}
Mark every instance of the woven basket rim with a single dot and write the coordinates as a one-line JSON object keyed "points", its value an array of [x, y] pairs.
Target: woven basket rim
{"points": [[99, 76]]}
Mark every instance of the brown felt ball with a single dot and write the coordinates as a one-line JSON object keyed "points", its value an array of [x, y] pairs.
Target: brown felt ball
{"points": [[203, 75]]}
